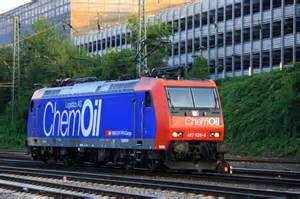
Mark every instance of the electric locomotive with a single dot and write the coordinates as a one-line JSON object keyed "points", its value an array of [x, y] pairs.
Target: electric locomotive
{"points": [[145, 122]]}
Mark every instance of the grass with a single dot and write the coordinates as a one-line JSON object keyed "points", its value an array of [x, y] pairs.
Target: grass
{"points": [[262, 113], [10, 137]]}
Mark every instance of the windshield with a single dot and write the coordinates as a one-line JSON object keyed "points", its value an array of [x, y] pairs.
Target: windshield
{"points": [[185, 97]]}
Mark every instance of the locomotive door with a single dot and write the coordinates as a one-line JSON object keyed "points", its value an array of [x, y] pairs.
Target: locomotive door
{"points": [[146, 114], [35, 111]]}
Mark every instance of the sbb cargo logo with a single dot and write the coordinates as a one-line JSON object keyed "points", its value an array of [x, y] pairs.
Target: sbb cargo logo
{"points": [[76, 118], [202, 121]]}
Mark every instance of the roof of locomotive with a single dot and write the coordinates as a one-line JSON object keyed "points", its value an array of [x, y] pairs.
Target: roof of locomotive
{"points": [[144, 83]]}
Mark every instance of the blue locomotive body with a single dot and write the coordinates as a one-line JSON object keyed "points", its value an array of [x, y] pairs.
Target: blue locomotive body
{"points": [[108, 119]]}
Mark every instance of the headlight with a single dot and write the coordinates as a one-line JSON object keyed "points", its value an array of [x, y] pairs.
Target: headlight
{"points": [[214, 134], [177, 134], [174, 134], [195, 113]]}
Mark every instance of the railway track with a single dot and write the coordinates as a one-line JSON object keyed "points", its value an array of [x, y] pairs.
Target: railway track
{"points": [[268, 172], [60, 190], [23, 153], [240, 171], [146, 183]]}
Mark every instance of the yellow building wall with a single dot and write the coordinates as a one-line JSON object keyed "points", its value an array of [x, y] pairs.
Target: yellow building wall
{"points": [[87, 14]]}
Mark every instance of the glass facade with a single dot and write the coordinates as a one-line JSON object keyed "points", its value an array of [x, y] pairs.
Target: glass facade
{"points": [[57, 11], [82, 15], [237, 37]]}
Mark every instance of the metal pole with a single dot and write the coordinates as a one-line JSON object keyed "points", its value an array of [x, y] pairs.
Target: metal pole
{"points": [[139, 47], [16, 66]]}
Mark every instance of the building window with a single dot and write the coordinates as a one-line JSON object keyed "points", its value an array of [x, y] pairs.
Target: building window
{"points": [[266, 59], [197, 20], [266, 5], [190, 22], [212, 41], [256, 32], [276, 28], [128, 38], [212, 16], [220, 39], [288, 54], [237, 10], [169, 50], [237, 62], [220, 14], [113, 41], [190, 46], [176, 26], [123, 39], [256, 6], [255, 58], [276, 57], [204, 18], [94, 46], [204, 42], [108, 42], [288, 26], [266, 30], [175, 49], [182, 24], [99, 45], [228, 64], [169, 24], [298, 53], [182, 47], [246, 34], [197, 44], [103, 44], [228, 38], [228, 12], [220, 65], [237, 38], [298, 22], [276, 3], [212, 66], [246, 61], [246, 7], [90, 47], [118, 40]]}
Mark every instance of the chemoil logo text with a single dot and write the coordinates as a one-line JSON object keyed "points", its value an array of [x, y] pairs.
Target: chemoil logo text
{"points": [[76, 120], [202, 121]]}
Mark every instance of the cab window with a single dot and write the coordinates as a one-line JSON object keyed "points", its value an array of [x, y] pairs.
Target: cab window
{"points": [[148, 99]]}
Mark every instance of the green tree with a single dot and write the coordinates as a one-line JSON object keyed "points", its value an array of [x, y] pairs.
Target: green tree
{"points": [[116, 65], [49, 55], [157, 35], [199, 69], [5, 75], [45, 55]]}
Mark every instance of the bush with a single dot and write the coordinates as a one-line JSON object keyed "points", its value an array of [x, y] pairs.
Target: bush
{"points": [[262, 113]]}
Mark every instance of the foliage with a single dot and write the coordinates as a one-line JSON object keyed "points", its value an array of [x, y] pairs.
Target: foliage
{"points": [[199, 69], [44, 57], [157, 34], [5, 75], [50, 56], [262, 113], [116, 65]]}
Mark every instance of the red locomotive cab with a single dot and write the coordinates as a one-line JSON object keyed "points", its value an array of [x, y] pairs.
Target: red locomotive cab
{"points": [[190, 125], [195, 113]]}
